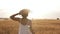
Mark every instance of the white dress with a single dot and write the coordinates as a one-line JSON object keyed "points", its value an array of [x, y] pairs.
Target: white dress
{"points": [[24, 29]]}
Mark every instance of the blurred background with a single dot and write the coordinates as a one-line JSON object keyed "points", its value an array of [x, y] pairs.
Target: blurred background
{"points": [[40, 9], [44, 14]]}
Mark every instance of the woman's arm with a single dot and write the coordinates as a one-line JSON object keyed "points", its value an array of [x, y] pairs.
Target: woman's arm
{"points": [[31, 28], [14, 18]]}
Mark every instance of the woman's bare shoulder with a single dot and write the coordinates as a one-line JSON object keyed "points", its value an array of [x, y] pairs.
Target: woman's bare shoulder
{"points": [[29, 20]]}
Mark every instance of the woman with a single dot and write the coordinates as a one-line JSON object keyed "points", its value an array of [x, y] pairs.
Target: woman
{"points": [[25, 26]]}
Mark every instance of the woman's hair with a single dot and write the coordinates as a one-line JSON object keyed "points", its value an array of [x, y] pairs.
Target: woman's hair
{"points": [[24, 11]]}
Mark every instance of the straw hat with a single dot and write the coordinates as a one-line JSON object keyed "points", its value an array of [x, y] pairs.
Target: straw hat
{"points": [[24, 11]]}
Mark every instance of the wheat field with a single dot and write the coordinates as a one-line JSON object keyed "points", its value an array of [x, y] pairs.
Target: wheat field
{"points": [[40, 26]]}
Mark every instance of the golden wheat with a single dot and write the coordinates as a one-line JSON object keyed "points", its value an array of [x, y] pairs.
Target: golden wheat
{"points": [[39, 26]]}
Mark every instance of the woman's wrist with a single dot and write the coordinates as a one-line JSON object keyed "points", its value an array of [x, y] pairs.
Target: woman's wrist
{"points": [[15, 14]]}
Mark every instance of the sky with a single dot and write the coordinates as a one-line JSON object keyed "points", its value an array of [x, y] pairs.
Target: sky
{"points": [[39, 9]]}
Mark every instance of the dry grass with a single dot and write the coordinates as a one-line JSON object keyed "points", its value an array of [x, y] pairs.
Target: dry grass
{"points": [[39, 26]]}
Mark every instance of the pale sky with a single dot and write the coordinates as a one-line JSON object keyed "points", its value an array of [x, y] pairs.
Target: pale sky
{"points": [[40, 9]]}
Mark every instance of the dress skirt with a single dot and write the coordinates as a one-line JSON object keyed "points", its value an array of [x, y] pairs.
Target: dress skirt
{"points": [[24, 29]]}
